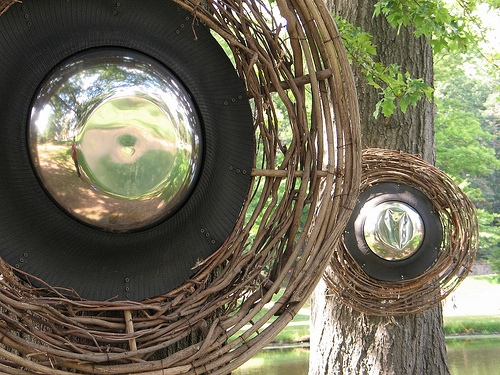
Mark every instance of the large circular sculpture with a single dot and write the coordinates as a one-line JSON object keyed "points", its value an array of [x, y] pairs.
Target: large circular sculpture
{"points": [[135, 135], [412, 238], [275, 239]]}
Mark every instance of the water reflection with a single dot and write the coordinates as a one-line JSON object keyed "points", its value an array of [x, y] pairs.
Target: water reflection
{"points": [[277, 362], [479, 356], [115, 139]]}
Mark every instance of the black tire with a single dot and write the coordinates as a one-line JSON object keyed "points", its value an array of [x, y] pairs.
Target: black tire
{"points": [[39, 238], [394, 270]]}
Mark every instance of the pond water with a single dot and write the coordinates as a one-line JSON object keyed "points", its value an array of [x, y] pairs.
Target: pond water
{"points": [[467, 356], [277, 362], [476, 356]]}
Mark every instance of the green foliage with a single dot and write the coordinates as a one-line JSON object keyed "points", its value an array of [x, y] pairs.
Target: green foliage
{"points": [[491, 279], [489, 227], [400, 89], [466, 140], [397, 89], [461, 145], [448, 28], [489, 237], [494, 3]]}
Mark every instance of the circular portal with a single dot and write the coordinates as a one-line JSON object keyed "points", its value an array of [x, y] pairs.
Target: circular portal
{"points": [[115, 139], [393, 230], [127, 145], [384, 286]]}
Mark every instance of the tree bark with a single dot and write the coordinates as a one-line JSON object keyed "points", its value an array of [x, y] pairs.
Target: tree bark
{"points": [[344, 341]]}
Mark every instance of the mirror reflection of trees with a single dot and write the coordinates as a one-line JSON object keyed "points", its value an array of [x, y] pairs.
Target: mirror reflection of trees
{"points": [[122, 126]]}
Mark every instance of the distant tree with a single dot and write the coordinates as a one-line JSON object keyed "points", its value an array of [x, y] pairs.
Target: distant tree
{"points": [[464, 144], [468, 148]]}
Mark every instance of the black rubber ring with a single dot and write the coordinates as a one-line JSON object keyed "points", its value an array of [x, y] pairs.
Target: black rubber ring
{"points": [[394, 270], [65, 253]]}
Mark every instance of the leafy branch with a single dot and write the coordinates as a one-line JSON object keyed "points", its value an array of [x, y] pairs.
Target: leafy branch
{"points": [[397, 89], [454, 29]]}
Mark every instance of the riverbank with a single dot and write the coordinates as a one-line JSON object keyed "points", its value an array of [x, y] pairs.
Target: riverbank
{"points": [[467, 355], [473, 309]]}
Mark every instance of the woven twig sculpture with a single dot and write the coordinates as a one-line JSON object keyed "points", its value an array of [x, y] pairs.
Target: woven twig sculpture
{"points": [[304, 187], [354, 287]]}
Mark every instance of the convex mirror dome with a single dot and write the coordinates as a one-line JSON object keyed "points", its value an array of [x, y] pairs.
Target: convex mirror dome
{"points": [[115, 139]]}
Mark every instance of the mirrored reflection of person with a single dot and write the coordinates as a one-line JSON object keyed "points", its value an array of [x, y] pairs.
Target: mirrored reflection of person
{"points": [[74, 155]]}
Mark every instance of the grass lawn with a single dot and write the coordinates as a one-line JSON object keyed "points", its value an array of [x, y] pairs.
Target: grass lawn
{"points": [[472, 325]]}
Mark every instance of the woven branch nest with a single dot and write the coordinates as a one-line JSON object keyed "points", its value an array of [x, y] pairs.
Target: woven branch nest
{"points": [[303, 191], [346, 279]]}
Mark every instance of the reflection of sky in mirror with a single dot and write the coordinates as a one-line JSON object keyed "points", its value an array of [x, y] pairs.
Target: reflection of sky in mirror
{"points": [[43, 118]]}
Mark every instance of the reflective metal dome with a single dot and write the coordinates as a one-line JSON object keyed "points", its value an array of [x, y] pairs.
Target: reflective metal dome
{"points": [[393, 230], [115, 139]]}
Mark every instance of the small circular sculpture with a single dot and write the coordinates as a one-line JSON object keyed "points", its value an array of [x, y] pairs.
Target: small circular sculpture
{"points": [[412, 238], [247, 284], [394, 232]]}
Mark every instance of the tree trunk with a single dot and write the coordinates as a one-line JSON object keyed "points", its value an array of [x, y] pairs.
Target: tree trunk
{"points": [[344, 341]]}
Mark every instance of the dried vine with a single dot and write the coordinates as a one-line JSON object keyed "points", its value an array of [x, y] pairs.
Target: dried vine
{"points": [[303, 191]]}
